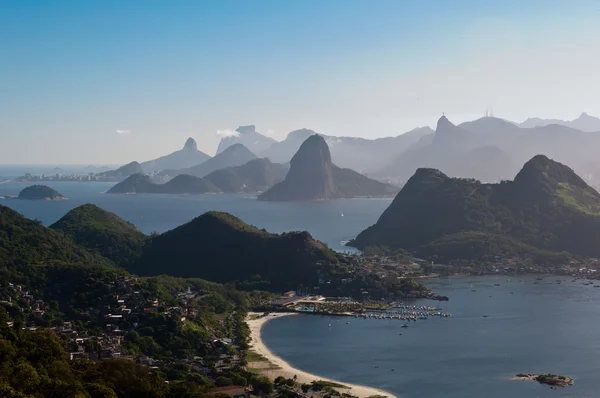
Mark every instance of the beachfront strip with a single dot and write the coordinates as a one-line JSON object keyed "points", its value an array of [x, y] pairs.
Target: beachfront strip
{"points": [[274, 367]]}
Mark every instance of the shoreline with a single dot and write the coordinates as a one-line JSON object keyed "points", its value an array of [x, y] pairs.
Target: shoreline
{"points": [[283, 368]]}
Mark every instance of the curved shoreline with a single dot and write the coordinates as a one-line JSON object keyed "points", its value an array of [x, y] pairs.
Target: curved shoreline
{"points": [[288, 371]]}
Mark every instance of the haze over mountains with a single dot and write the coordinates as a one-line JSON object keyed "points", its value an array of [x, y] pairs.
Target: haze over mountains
{"points": [[313, 176], [584, 122], [188, 156], [249, 137], [488, 149], [235, 155]]}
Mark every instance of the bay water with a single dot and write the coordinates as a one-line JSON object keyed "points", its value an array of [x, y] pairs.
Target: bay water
{"points": [[495, 332], [529, 326]]}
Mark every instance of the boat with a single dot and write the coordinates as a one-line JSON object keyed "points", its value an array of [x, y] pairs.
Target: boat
{"points": [[330, 325], [405, 325], [342, 214], [347, 322]]}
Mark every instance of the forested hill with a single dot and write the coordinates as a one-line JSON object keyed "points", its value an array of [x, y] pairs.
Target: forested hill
{"points": [[546, 208], [102, 232], [220, 247], [214, 246], [26, 242]]}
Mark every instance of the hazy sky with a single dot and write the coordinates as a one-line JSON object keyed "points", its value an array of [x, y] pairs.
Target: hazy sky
{"points": [[115, 81]]}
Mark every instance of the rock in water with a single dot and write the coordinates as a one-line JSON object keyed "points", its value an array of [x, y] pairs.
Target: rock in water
{"points": [[310, 176]]}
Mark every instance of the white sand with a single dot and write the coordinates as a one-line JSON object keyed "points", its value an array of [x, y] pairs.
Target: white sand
{"points": [[279, 367]]}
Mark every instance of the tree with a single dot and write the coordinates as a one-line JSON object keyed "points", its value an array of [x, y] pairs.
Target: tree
{"points": [[97, 390], [25, 378], [261, 385]]}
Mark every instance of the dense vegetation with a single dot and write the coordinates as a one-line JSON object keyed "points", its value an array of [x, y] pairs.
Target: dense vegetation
{"points": [[42, 268], [26, 242], [546, 211], [34, 363], [40, 192], [215, 246], [102, 232], [220, 247]]}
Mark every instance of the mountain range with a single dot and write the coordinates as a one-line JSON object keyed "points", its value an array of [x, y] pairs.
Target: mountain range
{"points": [[349, 152], [188, 156], [234, 155], [489, 149], [122, 172], [313, 176], [584, 122], [90, 236], [254, 176], [545, 211]]}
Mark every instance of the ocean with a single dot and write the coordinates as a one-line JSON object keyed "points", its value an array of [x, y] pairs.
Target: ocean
{"points": [[333, 222], [530, 327]]}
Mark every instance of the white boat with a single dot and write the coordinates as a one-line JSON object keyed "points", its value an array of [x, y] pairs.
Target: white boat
{"points": [[342, 214], [330, 325], [405, 325]]}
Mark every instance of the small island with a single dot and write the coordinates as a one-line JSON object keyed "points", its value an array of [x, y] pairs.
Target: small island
{"points": [[40, 192], [548, 378]]}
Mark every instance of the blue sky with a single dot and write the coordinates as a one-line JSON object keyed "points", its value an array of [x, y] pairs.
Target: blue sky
{"points": [[115, 81]]}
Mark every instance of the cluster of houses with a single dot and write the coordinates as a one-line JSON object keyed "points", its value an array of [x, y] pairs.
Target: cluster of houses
{"points": [[123, 302], [18, 295]]}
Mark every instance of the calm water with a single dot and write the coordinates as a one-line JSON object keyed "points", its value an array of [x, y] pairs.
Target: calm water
{"points": [[164, 212], [540, 328]]}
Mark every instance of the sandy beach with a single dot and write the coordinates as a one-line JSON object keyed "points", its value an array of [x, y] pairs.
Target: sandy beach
{"points": [[278, 367]]}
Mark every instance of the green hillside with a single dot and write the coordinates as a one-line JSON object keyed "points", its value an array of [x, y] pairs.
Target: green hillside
{"points": [[25, 242], [547, 208], [102, 232], [220, 247]]}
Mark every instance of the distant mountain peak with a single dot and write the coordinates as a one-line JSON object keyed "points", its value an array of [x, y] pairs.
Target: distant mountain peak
{"points": [[191, 144], [444, 122], [302, 134], [237, 148], [313, 176], [247, 135], [310, 176], [246, 129]]}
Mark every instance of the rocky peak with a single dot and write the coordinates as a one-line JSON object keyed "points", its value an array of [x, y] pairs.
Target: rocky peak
{"points": [[190, 144], [310, 176], [246, 129], [443, 122]]}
